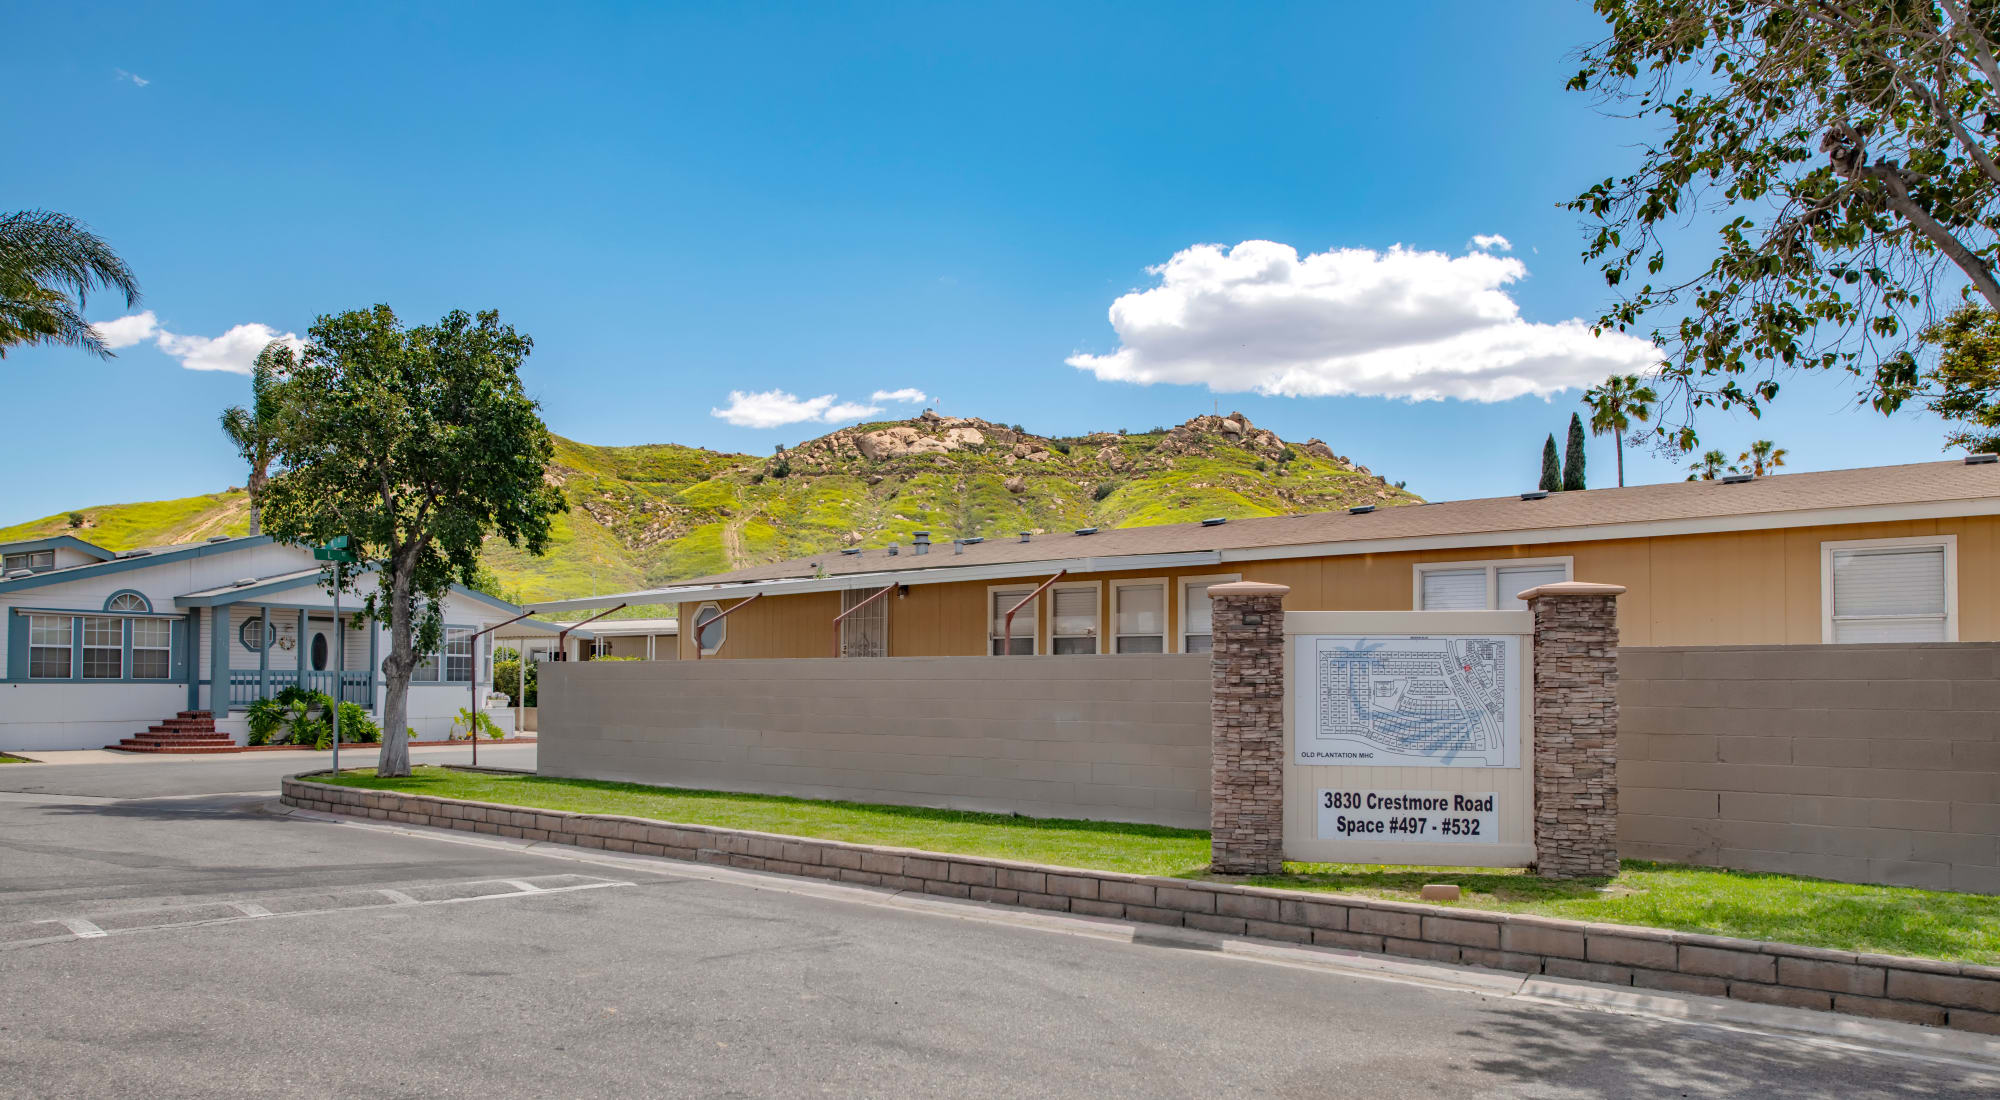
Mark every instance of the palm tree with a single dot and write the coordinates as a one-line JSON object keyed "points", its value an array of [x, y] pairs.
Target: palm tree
{"points": [[50, 263], [1615, 405], [255, 430], [1763, 456], [1710, 466]]}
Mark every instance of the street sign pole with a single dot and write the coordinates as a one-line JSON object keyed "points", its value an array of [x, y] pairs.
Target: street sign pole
{"points": [[336, 551]]}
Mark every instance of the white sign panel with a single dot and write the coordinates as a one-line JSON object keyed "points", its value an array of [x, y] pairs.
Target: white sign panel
{"points": [[1437, 817], [1410, 701]]}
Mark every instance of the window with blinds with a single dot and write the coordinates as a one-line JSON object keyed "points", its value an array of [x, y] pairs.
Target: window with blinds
{"points": [[1489, 586], [1021, 641], [152, 649], [50, 638], [1889, 593], [1197, 618], [1141, 613], [1073, 620]]}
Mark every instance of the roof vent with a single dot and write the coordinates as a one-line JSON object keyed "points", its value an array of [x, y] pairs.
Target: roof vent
{"points": [[1981, 460], [17, 574], [958, 546], [920, 542], [974, 540], [851, 551], [1086, 530], [1738, 479], [218, 538], [1360, 509], [1539, 494], [133, 553], [1216, 521], [244, 582], [894, 550], [1026, 537]]}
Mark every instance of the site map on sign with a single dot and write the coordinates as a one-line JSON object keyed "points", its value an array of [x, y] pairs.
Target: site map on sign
{"points": [[1408, 701]]}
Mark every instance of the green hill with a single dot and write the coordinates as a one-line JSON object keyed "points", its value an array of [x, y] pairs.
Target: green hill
{"points": [[648, 515]]}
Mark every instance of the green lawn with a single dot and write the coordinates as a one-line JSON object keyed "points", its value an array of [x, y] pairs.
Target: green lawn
{"points": [[5, 759], [1886, 919]]}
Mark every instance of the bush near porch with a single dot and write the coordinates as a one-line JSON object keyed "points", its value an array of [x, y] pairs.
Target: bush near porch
{"points": [[296, 716], [1782, 908]]}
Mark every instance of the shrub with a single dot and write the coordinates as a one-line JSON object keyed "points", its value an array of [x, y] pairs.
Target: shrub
{"points": [[1262, 465], [475, 722], [1104, 489], [356, 728], [267, 716], [507, 678], [1061, 448], [76, 519], [782, 468]]}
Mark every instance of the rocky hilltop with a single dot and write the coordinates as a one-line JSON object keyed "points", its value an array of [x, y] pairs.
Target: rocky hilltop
{"points": [[652, 514]]}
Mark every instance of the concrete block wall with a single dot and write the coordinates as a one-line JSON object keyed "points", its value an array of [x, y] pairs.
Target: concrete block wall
{"points": [[1117, 738], [1861, 763]]}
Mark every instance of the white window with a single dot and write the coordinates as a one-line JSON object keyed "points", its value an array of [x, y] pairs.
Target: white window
{"points": [[1073, 618], [1021, 640], [1890, 590], [152, 648], [710, 628], [39, 561], [458, 655], [1485, 585], [103, 647], [49, 640], [426, 670], [1139, 616], [864, 633], [1198, 613], [128, 601]]}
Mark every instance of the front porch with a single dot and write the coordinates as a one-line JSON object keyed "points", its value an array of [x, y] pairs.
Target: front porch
{"points": [[259, 650]]}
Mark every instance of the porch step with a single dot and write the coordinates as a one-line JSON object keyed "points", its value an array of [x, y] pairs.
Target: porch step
{"points": [[189, 731]]}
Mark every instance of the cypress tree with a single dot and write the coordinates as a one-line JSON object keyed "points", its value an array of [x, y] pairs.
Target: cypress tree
{"points": [[1573, 455], [1552, 478]]}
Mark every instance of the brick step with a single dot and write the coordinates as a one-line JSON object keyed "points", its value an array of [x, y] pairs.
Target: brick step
{"points": [[189, 723], [209, 715], [185, 750], [155, 739], [159, 731], [169, 727]]}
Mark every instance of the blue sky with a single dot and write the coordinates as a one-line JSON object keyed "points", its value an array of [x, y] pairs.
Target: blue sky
{"points": [[679, 202]]}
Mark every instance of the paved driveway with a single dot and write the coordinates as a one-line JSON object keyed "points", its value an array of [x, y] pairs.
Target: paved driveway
{"points": [[213, 945]]}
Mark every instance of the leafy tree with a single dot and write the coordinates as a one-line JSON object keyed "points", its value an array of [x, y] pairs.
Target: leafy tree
{"points": [[1711, 465], [1963, 384], [1843, 153], [1614, 405], [50, 264], [1762, 457], [75, 520], [418, 443], [255, 430], [1552, 476], [1573, 456]]}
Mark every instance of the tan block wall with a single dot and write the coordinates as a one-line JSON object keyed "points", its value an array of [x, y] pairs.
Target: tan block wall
{"points": [[1120, 739], [1857, 763], [1745, 588]]}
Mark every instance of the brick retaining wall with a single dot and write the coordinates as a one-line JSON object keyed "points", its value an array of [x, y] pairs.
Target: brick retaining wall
{"points": [[1889, 987]]}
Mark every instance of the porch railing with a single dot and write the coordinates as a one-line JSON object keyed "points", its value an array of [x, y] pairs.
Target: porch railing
{"points": [[247, 686]]}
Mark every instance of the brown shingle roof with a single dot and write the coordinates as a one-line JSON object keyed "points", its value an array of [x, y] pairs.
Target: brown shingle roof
{"points": [[1926, 482]]}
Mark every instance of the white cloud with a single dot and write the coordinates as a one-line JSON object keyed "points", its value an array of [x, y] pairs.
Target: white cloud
{"points": [[1400, 323], [909, 395], [135, 78], [776, 408], [126, 331], [233, 351], [1492, 242]]}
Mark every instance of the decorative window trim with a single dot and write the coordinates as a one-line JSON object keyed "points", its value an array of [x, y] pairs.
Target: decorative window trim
{"points": [[993, 625], [145, 605], [722, 629], [1166, 613], [1492, 567], [1096, 636], [243, 633], [1826, 549], [1181, 587]]}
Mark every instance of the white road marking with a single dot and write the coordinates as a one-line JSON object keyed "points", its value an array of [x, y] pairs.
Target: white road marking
{"points": [[83, 929], [249, 908], [399, 897], [524, 887]]}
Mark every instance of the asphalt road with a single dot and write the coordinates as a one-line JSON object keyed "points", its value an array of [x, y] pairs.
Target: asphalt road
{"points": [[215, 946]]}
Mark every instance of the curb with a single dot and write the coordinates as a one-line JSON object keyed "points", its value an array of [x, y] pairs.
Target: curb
{"points": [[1917, 991]]}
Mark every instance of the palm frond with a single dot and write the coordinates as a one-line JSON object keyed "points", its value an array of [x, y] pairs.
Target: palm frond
{"points": [[56, 252]]}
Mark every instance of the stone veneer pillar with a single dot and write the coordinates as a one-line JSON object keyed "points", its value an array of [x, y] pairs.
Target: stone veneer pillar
{"points": [[1247, 740], [1576, 728]]}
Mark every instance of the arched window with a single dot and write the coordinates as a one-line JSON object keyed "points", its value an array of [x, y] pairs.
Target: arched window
{"points": [[127, 600], [709, 633]]}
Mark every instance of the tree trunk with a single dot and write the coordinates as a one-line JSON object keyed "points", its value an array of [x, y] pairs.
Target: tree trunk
{"points": [[1619, 439], [255, 487], [395, 758]]}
